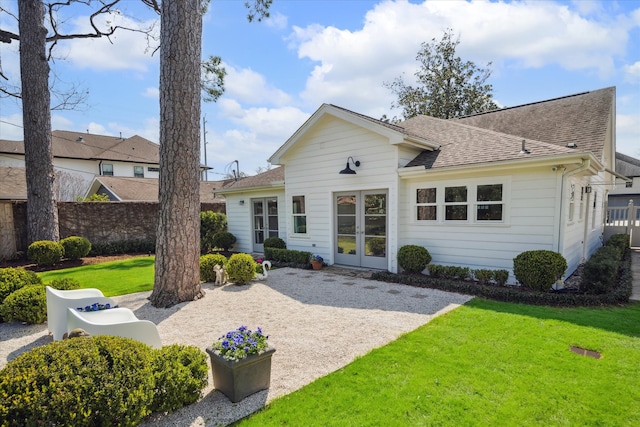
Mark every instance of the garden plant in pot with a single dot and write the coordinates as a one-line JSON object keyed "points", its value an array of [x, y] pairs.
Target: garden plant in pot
{"points": [[241, 363], [316, 261]]}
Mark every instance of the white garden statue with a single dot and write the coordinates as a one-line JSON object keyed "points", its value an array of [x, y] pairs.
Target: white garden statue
{"points": [[266, 265]]}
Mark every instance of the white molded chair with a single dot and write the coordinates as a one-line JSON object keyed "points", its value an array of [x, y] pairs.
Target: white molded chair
{"points": [[59, 301], [120, 322]]}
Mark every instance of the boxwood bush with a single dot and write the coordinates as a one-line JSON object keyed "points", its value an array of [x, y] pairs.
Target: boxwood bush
{"points": [[75, 247], [210, 223], [223, 240], [287, 257], [207, 262], [274, 242], [45, 252], [12, 279], [241, 268], [539, 269], [181, 373], [413, 258], [600, 270], [27, 304], [88, 381]]}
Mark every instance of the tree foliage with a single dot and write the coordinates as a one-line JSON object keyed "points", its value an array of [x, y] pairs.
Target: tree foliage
{"points": [[447, 86]]}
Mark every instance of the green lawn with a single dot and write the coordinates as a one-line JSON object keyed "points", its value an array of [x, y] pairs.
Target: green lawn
{"points": [[484, 364], [112, 278]]}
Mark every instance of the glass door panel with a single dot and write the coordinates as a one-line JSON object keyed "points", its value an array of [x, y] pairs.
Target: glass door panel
{"points": [[265, 221]]}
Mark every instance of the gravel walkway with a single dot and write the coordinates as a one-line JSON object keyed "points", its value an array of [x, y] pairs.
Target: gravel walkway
{"points": [[318, 321]]}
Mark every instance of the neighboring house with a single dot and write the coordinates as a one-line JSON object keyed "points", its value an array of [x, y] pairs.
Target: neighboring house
{"points": [[475, 191], [78, 157], [623, 210], [145, 189], [13, 184]]}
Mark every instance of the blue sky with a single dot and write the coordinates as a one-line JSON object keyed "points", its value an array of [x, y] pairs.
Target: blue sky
{"points": [[341, 52]]}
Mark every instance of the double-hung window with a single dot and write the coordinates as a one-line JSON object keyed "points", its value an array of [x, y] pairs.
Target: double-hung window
{"points": [[426, 208], [107, 170], [299, 215], [455, 203], [489, 206], [138, 172]]}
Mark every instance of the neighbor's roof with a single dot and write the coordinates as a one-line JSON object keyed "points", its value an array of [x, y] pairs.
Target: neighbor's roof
{"points": [[582, 119], [14, 183], [627, 165], [146, 189], [272, 177], [79, 145]]}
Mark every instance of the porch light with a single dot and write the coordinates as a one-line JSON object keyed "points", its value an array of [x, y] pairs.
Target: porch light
{"points": [[348, 170]]}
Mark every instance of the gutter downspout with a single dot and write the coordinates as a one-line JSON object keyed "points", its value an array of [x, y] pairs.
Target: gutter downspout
{"points": [[565, 175]]}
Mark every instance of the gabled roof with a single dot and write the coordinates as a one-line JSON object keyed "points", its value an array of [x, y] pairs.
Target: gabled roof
{"points": [[582, 119], [396, 134], [86, 146], [14, 183], [627, 165], [269, 179], [146, 189]]}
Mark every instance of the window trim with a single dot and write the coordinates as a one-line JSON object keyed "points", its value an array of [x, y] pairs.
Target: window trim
{"points": [[303, 214], [102, 171], [141, 174]]}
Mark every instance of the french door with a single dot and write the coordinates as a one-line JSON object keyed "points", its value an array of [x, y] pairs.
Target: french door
{"points": [[361, 228], [265, 221]]}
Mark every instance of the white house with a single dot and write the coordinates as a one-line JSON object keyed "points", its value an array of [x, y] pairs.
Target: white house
{"points": [[474, 191], [79, 157]]}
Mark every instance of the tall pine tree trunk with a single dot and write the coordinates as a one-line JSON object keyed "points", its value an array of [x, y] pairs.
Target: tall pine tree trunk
{"points": [[42, 213], [177, 267]]}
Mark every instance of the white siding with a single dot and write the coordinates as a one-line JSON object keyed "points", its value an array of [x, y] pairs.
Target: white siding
{"points": [[529, 221], [312, 169]]}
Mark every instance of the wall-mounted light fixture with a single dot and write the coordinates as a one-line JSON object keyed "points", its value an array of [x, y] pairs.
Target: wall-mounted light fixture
{"points": [[348, 170], [241, 202], [587, 189]]}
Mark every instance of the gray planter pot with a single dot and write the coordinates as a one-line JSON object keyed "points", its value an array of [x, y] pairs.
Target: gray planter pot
{"points": [[239, 379]]}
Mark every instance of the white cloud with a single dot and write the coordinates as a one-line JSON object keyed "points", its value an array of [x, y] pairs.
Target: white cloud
{"points": [[151, 92], [519, 34], [632, 72], [277, 20], [125, 50], [628, 134], [11, 127], [251, 87]]}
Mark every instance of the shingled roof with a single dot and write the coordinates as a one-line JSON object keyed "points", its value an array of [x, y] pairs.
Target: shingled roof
{"points": [[265, 179], [146, 189], [79, 145], [14, 183], [582, 119], [627, 165]]}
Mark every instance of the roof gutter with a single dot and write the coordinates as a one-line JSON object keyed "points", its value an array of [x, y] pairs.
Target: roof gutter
{"points": [[617, 175]]}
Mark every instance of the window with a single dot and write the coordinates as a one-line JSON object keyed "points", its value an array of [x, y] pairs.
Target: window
{"points": [[107, 170], [153, 169], [572, 198], [138, 171], [593, 214], [491, 207], [426, 209], [299, 215], [455, 203]]}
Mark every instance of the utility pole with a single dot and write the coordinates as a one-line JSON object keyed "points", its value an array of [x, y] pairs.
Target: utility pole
{"points": [[204, 139]]}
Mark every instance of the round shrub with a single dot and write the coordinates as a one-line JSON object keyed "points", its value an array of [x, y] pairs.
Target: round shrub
{"points": [[223, 240], [181, 373], [241, 268], [12, 279], [27, 304], [75, 247], [207, 262], [483, 275], [65, 284], [45, 252], [538, 270], [274, 242], [413, 258], [88, 381]]}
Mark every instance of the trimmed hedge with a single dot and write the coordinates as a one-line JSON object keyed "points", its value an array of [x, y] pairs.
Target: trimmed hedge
{"points": [[27, 304], [210, 224], [618, 295], [223, 240], [12, 279], [123, 247], [601, 270], [274, 242], [288, 257]]}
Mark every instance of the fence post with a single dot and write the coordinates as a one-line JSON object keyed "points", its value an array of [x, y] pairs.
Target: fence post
{"points": [[629, 214]]}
